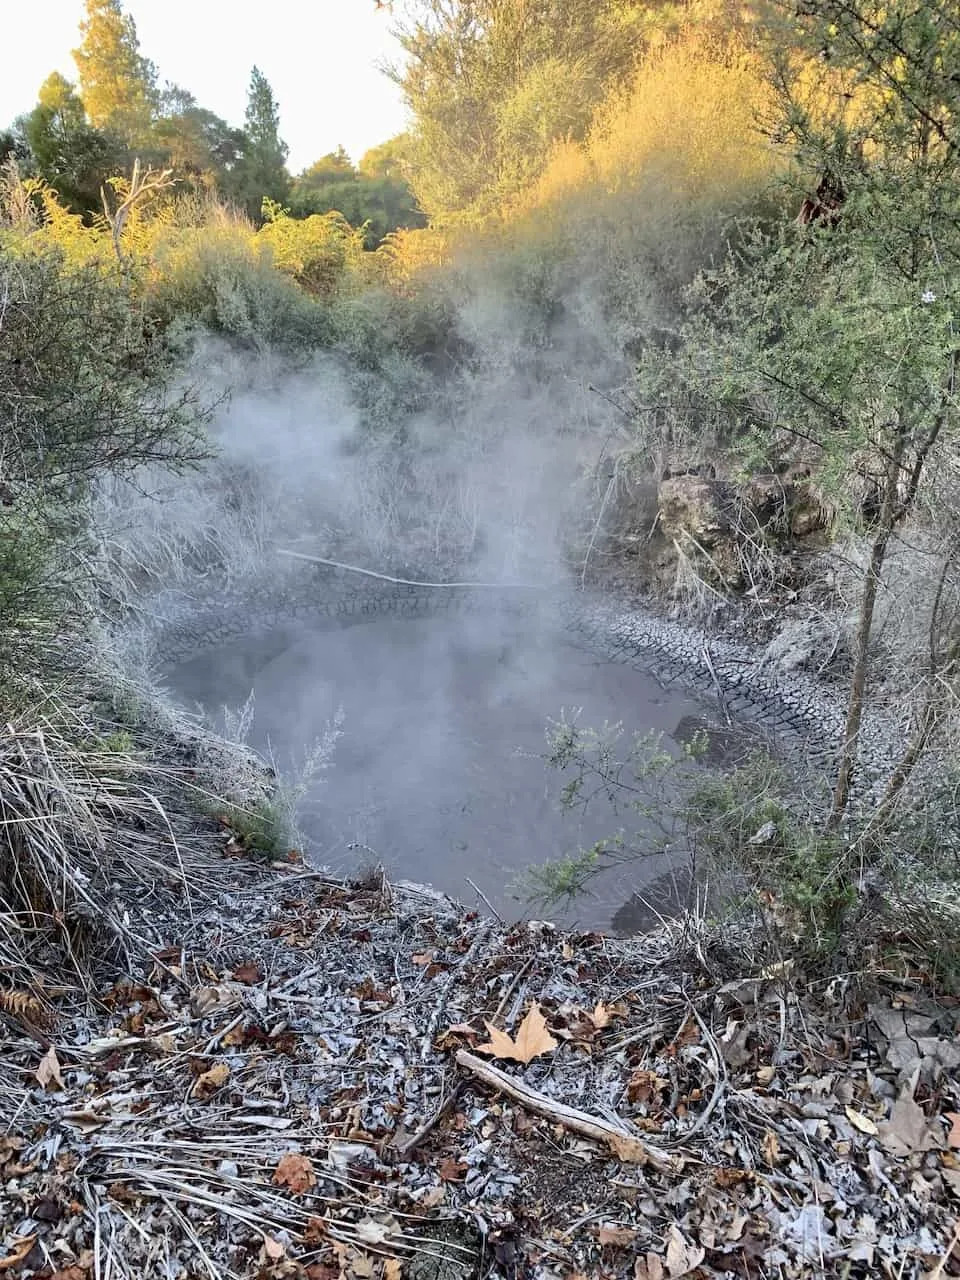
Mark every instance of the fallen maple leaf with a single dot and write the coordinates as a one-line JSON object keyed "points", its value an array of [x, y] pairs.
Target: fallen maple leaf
{"points": [[249, 974], [49, 1069], [210, 1081], [532, 1040], [392, 1269], [295, 1172], [682, 1256], [71, 1273]]}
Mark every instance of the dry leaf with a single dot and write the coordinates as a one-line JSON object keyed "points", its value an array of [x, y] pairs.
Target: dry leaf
{"points": [[630, 1150], [249, 974], [908, 1129], [392, 1269], [648, 1268], [71, 1273], [953, 1137], [601, 1016], [860, 1121], [272, 1249], [771, 1148], [49, 1070], [533, 1039], [205, 999], [20, 1249], [371, 1232], [620, 1237], [451, 1170], [682, 1256], [432, 1197], [362, 1266], [212, 1080], [296, 1172]]}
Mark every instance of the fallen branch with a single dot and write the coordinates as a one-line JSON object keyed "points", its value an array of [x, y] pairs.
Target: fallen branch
{"points": [[405, 582], [623, 1144]]}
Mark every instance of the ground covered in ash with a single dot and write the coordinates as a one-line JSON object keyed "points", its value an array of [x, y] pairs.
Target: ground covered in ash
{"points": [[295, 1077]]}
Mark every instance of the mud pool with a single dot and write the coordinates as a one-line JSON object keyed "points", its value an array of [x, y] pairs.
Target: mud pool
{"points": [[439, 773]]}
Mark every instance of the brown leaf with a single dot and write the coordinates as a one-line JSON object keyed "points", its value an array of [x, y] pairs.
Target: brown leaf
{"points": [[908, 1130], [682, 1256], [249, 974], [630, 1150], [771, 1148], [272, 1249], [953, 1137], [392, 1269], [644, 1085], [533, 1039], [20, 1250], [451, 1170], [296, 1172], [49, 1070], [619, 1237], [315, 1231], [601, 1016], [362, 1266], [648, 1268], [210, 1081], [860, 1121], [70, 1273]]}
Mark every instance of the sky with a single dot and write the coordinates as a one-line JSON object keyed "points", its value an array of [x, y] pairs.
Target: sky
{"points": [[320, 56]]}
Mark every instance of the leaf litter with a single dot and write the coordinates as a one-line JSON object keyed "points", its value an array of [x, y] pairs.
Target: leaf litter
{"points": [[274, 1083]]}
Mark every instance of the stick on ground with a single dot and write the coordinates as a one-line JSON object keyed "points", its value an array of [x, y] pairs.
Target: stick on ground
{"points": [[625, 1145]]}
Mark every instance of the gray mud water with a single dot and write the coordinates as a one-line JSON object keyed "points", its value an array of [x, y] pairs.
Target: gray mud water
{"points": [[439, 772]]}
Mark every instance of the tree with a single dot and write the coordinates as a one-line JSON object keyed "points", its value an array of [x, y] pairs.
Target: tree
{"points": [[366, 198], [68, 152], [86, 392], [195, 143], [493, 84], [117, 84], [836, 335], [261, 173]]}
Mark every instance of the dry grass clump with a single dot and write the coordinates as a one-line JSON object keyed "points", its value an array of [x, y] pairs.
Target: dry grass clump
{"points": [[90, 841]]}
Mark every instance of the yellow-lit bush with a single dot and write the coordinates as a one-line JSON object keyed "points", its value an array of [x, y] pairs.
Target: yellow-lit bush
{"points": [[319, 252]]}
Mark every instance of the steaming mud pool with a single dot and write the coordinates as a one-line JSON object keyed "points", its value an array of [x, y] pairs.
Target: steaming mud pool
{"points": [[438, 773]]}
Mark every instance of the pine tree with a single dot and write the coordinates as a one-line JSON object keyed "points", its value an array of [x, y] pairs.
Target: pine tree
{"points": [[117, 84], [262, 172]]}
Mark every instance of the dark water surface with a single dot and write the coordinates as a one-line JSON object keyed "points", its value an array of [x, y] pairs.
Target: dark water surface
{"points": [[438, 772]]}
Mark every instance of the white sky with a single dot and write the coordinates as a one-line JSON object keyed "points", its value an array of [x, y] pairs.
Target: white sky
{"points": [[320, 56]]}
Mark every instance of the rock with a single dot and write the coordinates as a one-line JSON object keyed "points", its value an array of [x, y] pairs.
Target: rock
{"points": [[692, 505], [803, 642]]}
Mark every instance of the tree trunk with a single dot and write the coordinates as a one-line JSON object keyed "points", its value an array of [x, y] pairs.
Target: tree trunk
{"points": [[855, 701]]}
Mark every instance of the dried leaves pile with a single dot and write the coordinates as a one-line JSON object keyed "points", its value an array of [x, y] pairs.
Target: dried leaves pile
{"points": [[313, 1080]]}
